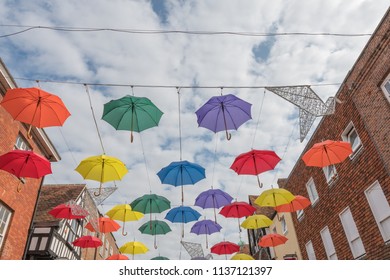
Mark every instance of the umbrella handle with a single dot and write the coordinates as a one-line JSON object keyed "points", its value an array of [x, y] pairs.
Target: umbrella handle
{"points": [[123, 230], [99, 192], [29, 136], [258, 182], [228, 135], [155, 242], [19, 187], [131, 137]]}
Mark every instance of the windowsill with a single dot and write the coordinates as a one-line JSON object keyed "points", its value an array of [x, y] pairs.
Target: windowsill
{"points": [[356, 153], [300, 218], [333, 180], [314, 203], [285, 232], [362, 257]]}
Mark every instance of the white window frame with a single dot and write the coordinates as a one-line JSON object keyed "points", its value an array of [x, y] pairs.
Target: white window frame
{"points": [[312, 191], [300, 214], [311, 254], [330, 176], [101, 248], [328, 244], [4, 221], [346, 137], [352, 234], [22, 144], [283, 224], [386, 87], [381, 215]]}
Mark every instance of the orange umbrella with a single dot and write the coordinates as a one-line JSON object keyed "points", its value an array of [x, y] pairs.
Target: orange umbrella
{"points": [[35, 107], [327, 153], [298, 203], [272, 240], [117, 257], [105, 225]]}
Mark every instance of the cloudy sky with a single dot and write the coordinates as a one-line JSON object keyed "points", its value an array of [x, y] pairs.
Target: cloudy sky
{"points": [[117, 57]]}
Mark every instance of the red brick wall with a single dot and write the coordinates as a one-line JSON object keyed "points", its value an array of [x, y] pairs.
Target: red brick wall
{"points": [[363, 104], [22, 204]]}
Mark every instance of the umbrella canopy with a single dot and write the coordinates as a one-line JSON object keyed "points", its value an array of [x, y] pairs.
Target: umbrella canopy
{"points": [[225, 112], [225, 248], [242, 257], [255, 162], [150, 203], [23, 163], [179, 173], [68, 211], [183, 215], [206, 227], [155, 227], [237, 210], [131, 113], [272, 240], [213, 198], [274, 197], [87, 241], [160, 258], [102, 168], [327, 153], [35, 107], [256, 221], [124, 213], [133, 248], [117, 257], [298, 203], [105, 225]]}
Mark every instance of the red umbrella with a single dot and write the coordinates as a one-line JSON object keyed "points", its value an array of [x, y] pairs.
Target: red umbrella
{"points": [[68, 211], [35, 107], [87, 241], [117, 257], [237, 210], [327, 153], [298, 203], [272, 240], [225, 248], [105, 225], [255, 162]]}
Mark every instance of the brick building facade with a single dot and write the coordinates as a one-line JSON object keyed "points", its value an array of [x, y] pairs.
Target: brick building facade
{"points": [[17, 208], [350, 215]]}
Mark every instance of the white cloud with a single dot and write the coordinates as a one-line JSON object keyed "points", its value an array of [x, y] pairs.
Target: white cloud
{"points": [[179, 59]]}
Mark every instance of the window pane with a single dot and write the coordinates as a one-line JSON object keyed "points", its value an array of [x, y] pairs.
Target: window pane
{"points": [[354, 139], [387, 87], [352, 233], [42, 246], [328, 243], [310, 251], [385, 224]]}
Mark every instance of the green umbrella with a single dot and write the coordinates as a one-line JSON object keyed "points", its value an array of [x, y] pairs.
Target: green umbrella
{"points": [[131, 113], [155, 227], [160, 258]]}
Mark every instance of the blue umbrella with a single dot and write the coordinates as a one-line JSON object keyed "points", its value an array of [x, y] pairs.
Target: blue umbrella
{"points": [[213, 198], [205, 227], [179, 173], [183, 215], [225, 112]]}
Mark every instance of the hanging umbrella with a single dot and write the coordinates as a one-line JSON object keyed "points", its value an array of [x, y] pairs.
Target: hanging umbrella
{"points": [[69, 211], [133, 248], [102, 168], [256, 221], [213, 198], [155, 228], [327, 153], [237, 210], [298, 203], [150, 203], [124, 213], [160, 258], [225, 248], [105, 225], [131, 113], [117, 257], [206, 227], [23, 163], [225, 112], [274, 197], [242, 257], [35, 107], [179, 173], [272, 240], [87, 241], [255, 162], [183, 215]]}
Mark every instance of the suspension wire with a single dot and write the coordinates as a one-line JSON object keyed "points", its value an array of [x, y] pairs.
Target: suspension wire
{"points": [[258, 120], [215, 159], [146, 165], [67, 145], [94, 118], [180, 143]]}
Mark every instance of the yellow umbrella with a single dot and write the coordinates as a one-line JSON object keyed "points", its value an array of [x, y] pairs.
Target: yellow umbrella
{"points": [[256, 221], [133, 248], [274, 197], [102, 168], [242, 257], [123, 212]]}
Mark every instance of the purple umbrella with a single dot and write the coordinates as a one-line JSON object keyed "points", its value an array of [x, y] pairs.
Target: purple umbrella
{"points": [[213, 198], [225, 112], [205, 227]]}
